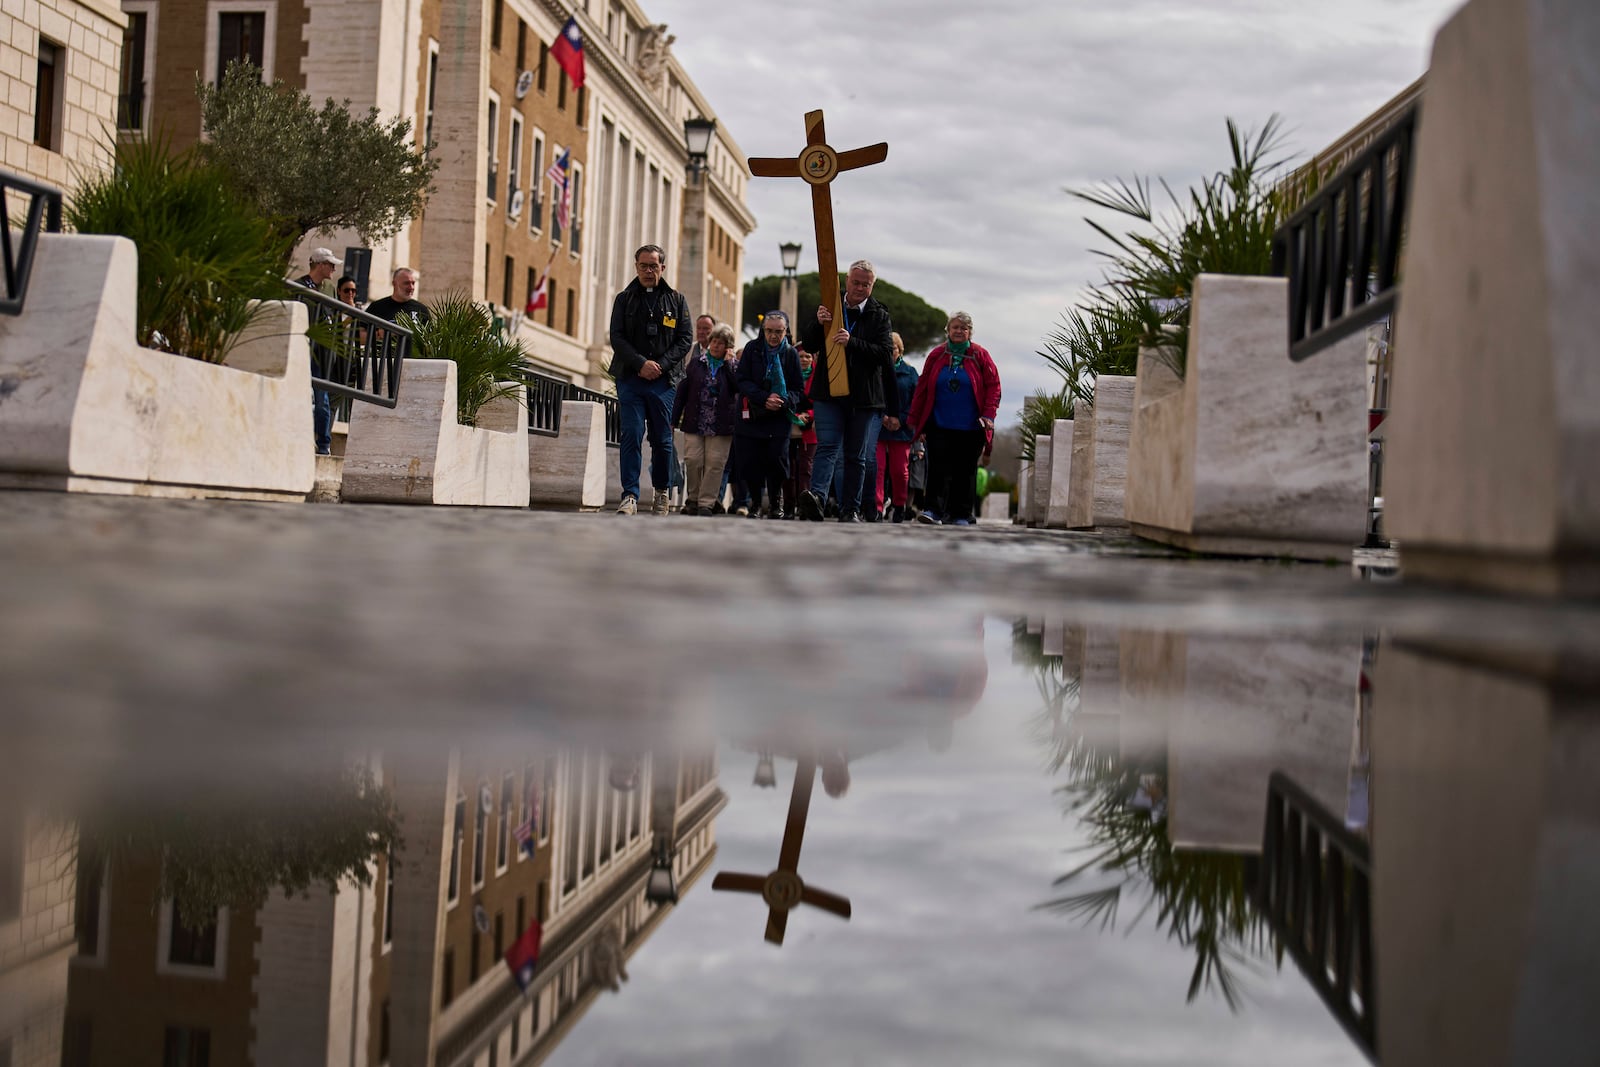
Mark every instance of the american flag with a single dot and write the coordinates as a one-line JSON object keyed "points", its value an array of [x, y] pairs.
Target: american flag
{"points": [[524, 831], [559, 178]]}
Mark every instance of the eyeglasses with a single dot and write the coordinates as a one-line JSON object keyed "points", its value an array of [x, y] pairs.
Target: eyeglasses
{"points": [[648, 266], [347, 289]]}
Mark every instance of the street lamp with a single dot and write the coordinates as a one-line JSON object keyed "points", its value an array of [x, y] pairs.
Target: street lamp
{"points": [[662, 885], [791, 257], [766, 776], [697, 133]]}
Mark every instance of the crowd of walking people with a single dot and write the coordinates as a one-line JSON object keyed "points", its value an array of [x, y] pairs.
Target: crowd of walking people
{"points": [[792, 436]]}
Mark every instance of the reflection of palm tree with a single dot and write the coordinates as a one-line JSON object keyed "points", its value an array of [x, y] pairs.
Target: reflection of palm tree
{"points": [[1200, 899]]}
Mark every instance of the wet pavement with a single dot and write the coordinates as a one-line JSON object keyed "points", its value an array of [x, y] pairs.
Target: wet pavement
{"points": [[1042, 778]]}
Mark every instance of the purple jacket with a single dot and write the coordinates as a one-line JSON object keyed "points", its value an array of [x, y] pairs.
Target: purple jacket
{"points": [[686, 402]]}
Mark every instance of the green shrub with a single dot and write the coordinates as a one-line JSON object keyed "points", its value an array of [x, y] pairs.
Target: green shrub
{"points": [[1038, 419], [488, 364], [204, 254]]}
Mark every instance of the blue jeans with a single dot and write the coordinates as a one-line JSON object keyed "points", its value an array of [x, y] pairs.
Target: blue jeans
{"points": [[829, 420], [860, 448], [642, 405], [321, 421]]}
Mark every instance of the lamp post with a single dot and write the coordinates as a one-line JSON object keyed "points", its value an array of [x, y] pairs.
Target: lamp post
{"points": [[697, 135], [766, 774], [662, 885], [789, 288]]}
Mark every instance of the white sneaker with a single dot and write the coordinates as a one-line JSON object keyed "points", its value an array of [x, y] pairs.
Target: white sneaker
{"points": [[663, 502], [629, 505]]}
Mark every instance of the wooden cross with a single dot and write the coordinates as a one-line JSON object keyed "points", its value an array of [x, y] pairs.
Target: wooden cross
{"points": [[819, 164], [783, 889]]}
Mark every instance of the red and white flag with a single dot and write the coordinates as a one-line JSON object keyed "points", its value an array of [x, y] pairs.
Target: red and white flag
{"points": [[540, 295]]}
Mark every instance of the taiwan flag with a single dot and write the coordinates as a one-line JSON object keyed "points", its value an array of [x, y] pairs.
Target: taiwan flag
{"points": [[523, 956], [568, 51]]}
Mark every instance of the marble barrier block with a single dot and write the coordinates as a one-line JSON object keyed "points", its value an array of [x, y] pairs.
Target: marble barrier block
{"points": [[417, 453], [1039, 484], [1485, 858], [1024, 491], [996, 508], [84, 408], [1100, 455], [1055, 512], [569, 470], [1501, 303], [1248, 453]]}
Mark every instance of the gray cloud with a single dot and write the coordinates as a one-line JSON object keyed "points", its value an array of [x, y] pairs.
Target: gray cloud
{"points": [[990, 110]]}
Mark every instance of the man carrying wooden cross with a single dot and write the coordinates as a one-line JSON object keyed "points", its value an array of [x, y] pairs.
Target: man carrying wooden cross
{"points": [[847, 426]]}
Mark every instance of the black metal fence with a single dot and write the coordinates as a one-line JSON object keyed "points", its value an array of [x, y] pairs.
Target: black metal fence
{"points": [[544, 403], [39, 211], [355, 356], [1315, 889], [1341, 250], [609, 403]]}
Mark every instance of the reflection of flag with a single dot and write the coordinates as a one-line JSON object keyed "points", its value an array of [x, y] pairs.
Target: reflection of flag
{"points": [[523, 955], [568, 51], [559, 177], [536, 300], [524, 832]]}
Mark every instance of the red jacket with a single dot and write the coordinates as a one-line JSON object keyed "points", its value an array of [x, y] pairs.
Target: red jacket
{"points": [[985, 386]]}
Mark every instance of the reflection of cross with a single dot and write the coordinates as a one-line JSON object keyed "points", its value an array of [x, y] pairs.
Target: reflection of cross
{"points": [[783, 889], [819, 164]]}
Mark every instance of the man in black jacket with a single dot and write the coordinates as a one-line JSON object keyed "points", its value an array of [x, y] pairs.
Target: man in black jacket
{"points": [[847, 427], [651, 332]]}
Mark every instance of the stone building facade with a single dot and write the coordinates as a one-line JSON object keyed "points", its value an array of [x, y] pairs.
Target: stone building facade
{"points": [[60, 61], [38, 897]]}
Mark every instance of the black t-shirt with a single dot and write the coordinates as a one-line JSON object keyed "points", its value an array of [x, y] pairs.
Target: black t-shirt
{"points": [[391, 309]]}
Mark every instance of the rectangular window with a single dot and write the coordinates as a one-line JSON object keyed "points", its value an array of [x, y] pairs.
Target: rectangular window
{"points": [[547, 784], [544, 63], [516, 1037], [583, 107], [383, 1032], [494, 144], [555, 198], [544, 901], [508, 784], [533, 280], [91, 889], [480, 825], [550, 305], [561, 90], [186, 1047], [498, 24], [453, 890], [431, 92], [572, 312], [607, 803], [47, 94], [131, 84], [514, 164], [577, 207], [535, 184], [388, 900], [475, 957], [522, 916], [241, 37], [499, 935], [447, 978], [192, 946], [502, 850], [522, 46]]}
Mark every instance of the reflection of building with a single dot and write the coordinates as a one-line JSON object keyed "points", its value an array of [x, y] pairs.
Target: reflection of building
{"points": [[407, 971], [38, 889]]}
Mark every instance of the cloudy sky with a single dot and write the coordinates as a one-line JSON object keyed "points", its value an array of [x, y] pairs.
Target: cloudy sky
{"points": [[944, 960], [990, 109]]}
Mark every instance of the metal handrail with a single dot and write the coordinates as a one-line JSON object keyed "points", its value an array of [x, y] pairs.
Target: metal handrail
{"points": [[609, 403], [364, 364], [1341, 250], [43, 213], [544, 403], [1315, 889]]}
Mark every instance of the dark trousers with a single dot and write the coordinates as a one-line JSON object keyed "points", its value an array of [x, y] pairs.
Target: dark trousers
{"points": [[764, 465], [953, 470], [801, 456]]}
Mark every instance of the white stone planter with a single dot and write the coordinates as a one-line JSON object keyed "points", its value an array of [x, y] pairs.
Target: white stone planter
{"points": [[1039, 485], [569, 470], [996, 508], [1055, 510], [1249, 453], [416, 453], [1024, 491], [1100, 455], [1492, 475], [83, 408]]}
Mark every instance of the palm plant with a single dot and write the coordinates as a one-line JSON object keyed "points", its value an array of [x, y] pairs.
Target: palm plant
{"points": [[1102, 336], [205, 256], [1200, 899], [489, 365], [1039, 417], [1224, 227]]}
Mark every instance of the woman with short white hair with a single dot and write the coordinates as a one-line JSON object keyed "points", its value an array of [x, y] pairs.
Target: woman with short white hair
{"points": [[706, 407], [954, 407]]}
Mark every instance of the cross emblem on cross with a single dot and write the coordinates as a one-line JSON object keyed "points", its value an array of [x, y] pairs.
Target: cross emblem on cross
{"points": [[819, 164], [783, 889]]}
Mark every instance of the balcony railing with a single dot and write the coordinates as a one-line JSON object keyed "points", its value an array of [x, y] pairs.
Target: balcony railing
{"points": [[1341, 251], [544, 403], [32, 207], [355, 356], [1315, 889]]}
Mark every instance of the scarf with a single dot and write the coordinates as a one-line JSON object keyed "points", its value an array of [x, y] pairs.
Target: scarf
{"points": [[714, 362], [775, 380], [958, 352]]}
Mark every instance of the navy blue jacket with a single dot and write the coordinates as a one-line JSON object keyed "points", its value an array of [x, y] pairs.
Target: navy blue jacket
{"points": [[905, 380], [686, 403], [649, 325], [751, 381]]}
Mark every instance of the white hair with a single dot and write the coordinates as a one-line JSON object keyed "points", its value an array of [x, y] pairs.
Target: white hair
{"points": [[866, 265]]}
